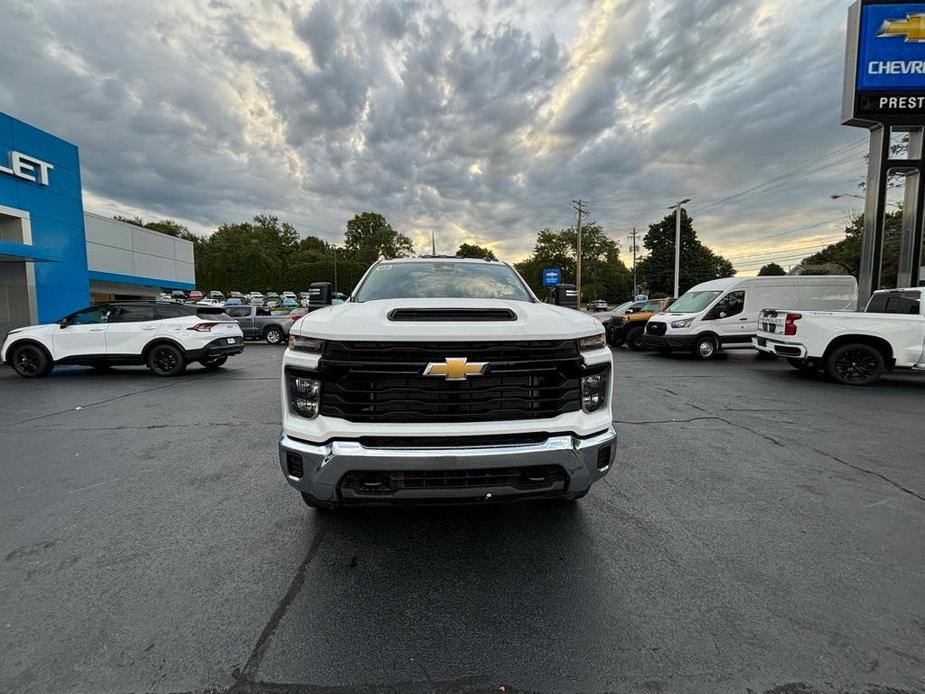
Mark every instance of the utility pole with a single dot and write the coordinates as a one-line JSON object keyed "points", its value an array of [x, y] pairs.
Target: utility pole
{"points": [[579, 207], [677, 244], [635, 285], [433, 243]]}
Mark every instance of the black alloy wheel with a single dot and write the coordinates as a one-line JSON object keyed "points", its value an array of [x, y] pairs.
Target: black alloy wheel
{"points": [[166, 360], [854, 364], [30, 361]]}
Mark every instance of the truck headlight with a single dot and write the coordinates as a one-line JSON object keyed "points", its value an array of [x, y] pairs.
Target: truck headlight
{"points": [[593, 391], [686, 323], [304, 394], [305, 344], [586, 344]]}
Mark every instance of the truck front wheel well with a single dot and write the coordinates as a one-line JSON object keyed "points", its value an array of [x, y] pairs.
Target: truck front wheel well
{"points": [[878, 343]]}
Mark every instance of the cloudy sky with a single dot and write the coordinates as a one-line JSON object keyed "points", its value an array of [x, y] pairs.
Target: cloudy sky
{"points": [[480, 119]]}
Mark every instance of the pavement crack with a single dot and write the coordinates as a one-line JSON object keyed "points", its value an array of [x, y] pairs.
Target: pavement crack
{"points": [[263, 641], [700, 419], [886, 479], [90, 404], [148, 427]]}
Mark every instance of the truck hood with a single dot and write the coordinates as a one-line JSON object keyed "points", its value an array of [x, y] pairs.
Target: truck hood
{"points": [[369, 321]]}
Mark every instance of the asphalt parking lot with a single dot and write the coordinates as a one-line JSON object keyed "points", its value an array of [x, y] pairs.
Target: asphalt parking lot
{"points": [[760, 532]]}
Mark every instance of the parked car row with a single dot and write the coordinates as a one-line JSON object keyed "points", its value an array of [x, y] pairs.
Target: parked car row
{"points": [[284, 300]]}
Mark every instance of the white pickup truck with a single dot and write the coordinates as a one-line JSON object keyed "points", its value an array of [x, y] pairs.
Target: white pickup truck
{"points": [[445, 380], [853, 348]]}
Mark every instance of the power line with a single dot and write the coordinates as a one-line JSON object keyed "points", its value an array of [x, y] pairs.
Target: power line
{"points": [[786, 177], [757, 256]]}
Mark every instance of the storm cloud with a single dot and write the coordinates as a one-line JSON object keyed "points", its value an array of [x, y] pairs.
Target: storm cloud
{"points": [[481, 121]]}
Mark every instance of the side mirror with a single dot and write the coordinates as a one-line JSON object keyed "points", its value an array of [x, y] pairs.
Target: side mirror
{"points": [[62, 323]]}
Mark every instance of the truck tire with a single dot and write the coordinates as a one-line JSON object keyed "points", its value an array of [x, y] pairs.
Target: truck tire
{"points": [[31, 361], [705, 347], [854, 364], [273, 335], [634, 338], [166, 360]]}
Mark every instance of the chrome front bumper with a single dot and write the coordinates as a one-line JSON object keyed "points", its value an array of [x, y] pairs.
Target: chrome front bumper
{"points": [[584, 460]]}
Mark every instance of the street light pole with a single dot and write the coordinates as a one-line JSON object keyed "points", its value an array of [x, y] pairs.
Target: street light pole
{"points": [[859, 197], [335, 268], [677, 244]]}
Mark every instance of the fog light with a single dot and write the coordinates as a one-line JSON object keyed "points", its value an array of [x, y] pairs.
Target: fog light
{"points": [[304, 395], [593, 391]]}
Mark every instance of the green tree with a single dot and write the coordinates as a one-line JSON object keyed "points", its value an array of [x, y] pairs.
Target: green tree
{"points": [[698, 263], [247, 256], [604, 276], [845, 256], [471, 250], [771, 269], [370, 238]]}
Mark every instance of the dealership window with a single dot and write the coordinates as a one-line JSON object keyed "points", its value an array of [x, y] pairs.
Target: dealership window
{"points": [[12, 228]]}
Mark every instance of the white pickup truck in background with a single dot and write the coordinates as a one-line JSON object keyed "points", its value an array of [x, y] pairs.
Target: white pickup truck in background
{"points": [[851, 347]]}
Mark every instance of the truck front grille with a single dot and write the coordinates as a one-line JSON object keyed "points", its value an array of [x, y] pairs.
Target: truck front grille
{"points": [[655, 328], [384, 382]]}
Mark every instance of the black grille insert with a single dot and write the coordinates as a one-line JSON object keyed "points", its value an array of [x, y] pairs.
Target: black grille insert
{"points": [[378, 483], [452, 315], [384, 382], [655, 328]]}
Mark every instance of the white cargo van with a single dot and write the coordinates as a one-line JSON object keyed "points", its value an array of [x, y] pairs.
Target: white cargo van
{"points": [[723, 313]]}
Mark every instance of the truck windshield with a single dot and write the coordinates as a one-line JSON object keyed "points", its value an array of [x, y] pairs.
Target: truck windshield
{"points": [[427, 279], [693, 302]]}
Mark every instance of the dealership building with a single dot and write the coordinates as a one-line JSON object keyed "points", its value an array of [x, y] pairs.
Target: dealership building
{"points": [[55, 258]]}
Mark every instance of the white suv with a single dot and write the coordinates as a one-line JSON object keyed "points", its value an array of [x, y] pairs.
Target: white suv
{"points": [[164, 336]]}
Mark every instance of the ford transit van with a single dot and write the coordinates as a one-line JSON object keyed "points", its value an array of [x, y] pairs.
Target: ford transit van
{"points": [[723, 314]]}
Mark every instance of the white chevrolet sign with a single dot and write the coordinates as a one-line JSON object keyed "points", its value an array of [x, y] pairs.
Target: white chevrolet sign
{"points": [[26, 167]]}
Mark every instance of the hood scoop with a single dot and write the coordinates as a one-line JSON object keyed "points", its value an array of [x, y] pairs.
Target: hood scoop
{"points": [[452, 315]]}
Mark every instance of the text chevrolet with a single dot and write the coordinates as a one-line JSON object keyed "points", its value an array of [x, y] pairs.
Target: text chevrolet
{"points": [[445, 380]]}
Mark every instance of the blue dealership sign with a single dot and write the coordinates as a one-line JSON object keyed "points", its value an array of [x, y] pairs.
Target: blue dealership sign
{"points": [[885, 66], [552, 276], [891, 50]]}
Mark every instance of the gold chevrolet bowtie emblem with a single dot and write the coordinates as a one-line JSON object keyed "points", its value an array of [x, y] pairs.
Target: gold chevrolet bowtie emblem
{"points": [[456, 368], [912, 27]]}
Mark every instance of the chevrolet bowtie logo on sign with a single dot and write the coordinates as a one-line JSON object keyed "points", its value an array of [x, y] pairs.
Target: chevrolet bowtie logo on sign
{"points": [[456, 368], [912, 28]]}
